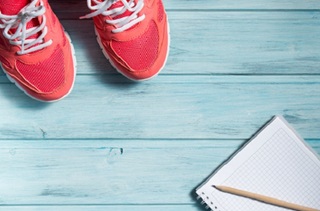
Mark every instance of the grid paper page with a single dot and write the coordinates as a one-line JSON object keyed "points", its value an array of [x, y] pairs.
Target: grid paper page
{"points": [[275, 163]]}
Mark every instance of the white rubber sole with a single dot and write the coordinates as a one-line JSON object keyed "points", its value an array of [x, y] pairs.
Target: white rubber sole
{"points": [[115, 67], [48, 101]]}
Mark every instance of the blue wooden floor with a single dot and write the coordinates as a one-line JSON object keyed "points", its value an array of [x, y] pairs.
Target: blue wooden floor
{"points": [[117, 145]]}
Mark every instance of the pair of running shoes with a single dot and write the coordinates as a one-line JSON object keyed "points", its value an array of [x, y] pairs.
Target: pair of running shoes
{"points": [[38, 56]]}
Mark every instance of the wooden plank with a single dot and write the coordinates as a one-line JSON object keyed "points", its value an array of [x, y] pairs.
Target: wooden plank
{"points": [[192, 207], [171, 107], [109, 172], [74, 8], [241, 5], [244, 43], [265, 43]]}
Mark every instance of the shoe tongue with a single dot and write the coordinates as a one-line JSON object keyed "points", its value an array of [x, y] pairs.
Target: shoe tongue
{"points": [[117, 4], [10, 7]]}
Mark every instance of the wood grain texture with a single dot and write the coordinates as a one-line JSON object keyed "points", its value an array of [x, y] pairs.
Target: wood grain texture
{"points": [[103, 208], [166, 107], [109, 172]]}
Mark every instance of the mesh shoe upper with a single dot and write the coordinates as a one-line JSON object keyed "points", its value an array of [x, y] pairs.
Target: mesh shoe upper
{"points": [[35, 51], [140, 53], [38, 74], [140, 50]]}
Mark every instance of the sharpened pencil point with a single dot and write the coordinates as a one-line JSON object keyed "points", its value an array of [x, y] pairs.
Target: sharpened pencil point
{"points": [[216, 187]]}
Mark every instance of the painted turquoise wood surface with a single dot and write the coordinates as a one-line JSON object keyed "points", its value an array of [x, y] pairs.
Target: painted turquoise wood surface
{"points": [[117, 145]]}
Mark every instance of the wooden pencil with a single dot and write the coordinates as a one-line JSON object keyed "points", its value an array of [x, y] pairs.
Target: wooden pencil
{"points": [[262, 198]]}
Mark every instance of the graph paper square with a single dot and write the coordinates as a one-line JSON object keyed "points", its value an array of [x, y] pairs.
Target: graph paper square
{"points": [[275, 163]]}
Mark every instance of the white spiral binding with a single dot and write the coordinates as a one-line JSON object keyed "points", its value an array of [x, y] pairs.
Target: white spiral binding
{"points": [[205, 200]]}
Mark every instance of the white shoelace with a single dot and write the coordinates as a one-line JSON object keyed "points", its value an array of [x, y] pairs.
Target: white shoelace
{"points": [[123, 23], [19, 22]]}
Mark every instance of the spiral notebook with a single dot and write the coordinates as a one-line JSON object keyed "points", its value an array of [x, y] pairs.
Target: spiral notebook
{"points": [[276, 162]]}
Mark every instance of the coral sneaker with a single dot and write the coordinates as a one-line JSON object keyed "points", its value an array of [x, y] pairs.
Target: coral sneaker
{"points": [[35, 52], [133, 34]]}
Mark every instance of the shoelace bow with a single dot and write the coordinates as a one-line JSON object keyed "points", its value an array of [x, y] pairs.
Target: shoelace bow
{"points": [[21, 35], [123, 23]]}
